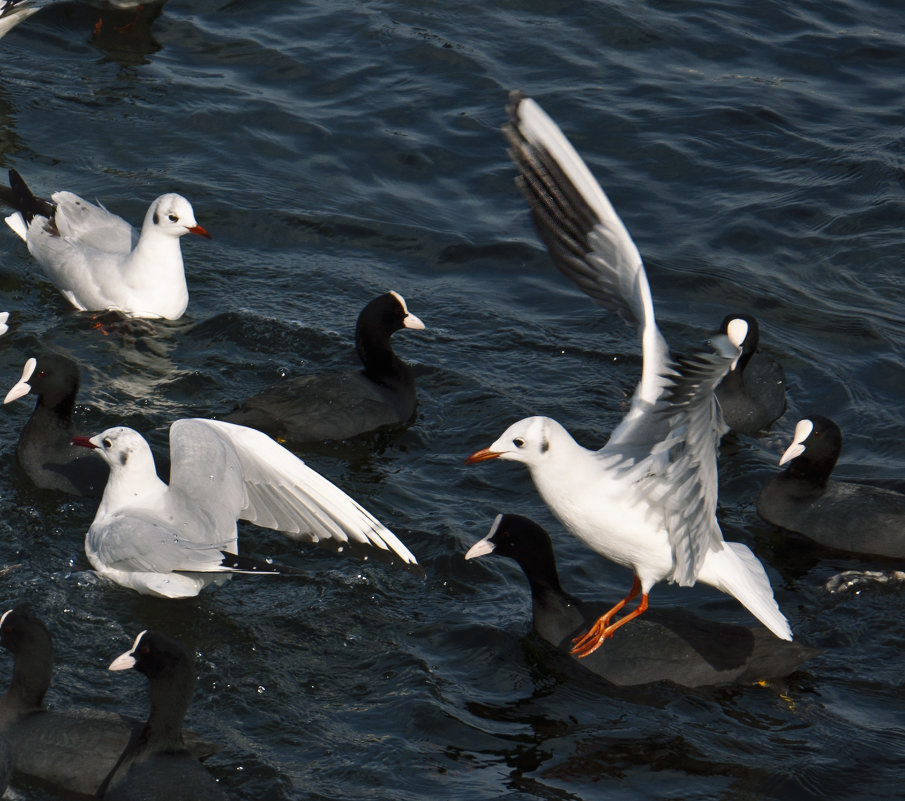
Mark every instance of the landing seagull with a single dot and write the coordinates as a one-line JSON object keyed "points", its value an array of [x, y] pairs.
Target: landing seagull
{"points": [[97, 260], [647, 499], [173, 540]]}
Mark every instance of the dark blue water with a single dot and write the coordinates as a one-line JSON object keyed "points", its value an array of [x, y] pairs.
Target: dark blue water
{"points": [[338, 149]]}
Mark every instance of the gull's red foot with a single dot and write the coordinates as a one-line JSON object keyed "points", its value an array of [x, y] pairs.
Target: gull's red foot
{"points": [[590, 642]]}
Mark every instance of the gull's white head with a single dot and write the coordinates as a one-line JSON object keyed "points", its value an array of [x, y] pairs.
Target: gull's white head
{"points": [[531, 441], [803, 430], [172, 215], [122, 448]]}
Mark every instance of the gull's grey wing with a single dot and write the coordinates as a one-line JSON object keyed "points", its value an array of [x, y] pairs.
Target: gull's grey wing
{"points": [[277, 490], [12, 12], [684, 476], [138, 543], [583, 233], [206, 481], [92, 225]]}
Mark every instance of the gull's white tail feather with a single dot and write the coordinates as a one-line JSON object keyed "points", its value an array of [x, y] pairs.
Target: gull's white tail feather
{"points": [[738, 572]]}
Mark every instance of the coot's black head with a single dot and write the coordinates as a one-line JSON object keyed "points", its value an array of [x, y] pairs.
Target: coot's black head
{"points": [[21, 630], [387, 314], [155, 655], [513, 536], [51, 377], [527, 543], [815, 447], [744, 332]]}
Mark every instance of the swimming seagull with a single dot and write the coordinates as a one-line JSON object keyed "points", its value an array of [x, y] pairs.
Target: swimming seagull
{"points": [[12, 12], [173, 540], [647, 499], [97, 260]]}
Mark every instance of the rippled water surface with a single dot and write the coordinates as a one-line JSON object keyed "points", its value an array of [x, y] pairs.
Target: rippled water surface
{"points": [[338, 149]]}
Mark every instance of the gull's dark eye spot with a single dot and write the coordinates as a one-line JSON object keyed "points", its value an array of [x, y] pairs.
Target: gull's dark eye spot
{"points": [[518, 442], [173, 217], [107, 443]]}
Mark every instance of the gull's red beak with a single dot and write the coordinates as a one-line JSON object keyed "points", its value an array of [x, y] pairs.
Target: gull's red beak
{"points": [[197, 229], [84, 442], [482, 456]]}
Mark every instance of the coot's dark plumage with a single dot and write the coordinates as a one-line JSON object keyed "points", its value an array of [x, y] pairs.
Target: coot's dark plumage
{"points": [[6, 763], [74, 749], [157, 765], [664, 645], [753, 394], [847, 516], [333, 406], [45, 448]]}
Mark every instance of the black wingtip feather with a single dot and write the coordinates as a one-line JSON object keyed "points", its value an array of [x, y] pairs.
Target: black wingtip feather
{"points": [[248, 564], [21, 198]]}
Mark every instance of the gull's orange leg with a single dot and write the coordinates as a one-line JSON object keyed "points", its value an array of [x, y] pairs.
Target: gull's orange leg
{"points": [[128, 27], [584, 650], [591, 641], [97, 324]]}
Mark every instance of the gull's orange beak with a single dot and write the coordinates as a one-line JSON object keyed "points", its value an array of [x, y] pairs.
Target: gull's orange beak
{"points": [[482, 456], [197, 229]]}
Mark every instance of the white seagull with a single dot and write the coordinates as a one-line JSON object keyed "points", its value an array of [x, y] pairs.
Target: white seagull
{"points": [[97, 260], [12, 12], [647, 499], [172, 541]]}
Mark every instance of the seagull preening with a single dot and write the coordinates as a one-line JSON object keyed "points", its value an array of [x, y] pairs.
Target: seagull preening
{"points": [[173, 540], [97, 260], [647, 499]]}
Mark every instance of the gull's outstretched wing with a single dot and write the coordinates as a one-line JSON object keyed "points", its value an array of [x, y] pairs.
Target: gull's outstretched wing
{"points": [[686, 487], [231, 470], [583, 233]]}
